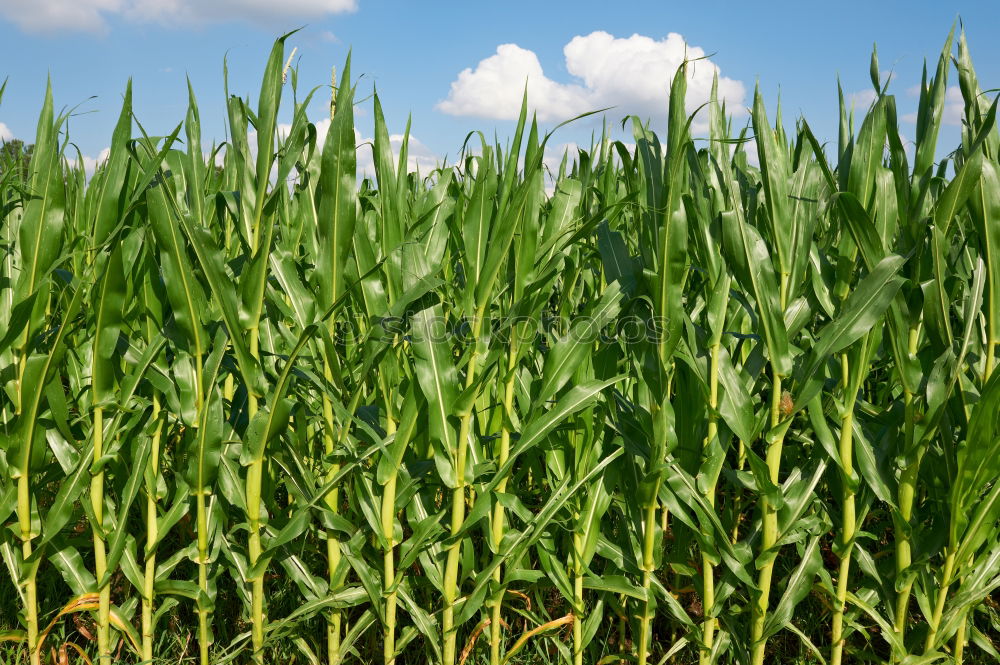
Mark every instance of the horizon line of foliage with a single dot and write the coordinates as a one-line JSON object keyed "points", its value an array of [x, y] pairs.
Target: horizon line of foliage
{"points": [[270, 411]]}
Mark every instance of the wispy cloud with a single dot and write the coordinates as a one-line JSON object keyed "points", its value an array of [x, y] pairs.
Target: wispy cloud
{"points": [[93, 15]]}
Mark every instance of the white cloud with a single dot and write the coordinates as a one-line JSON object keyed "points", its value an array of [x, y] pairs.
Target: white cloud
{"points": [[494, 89], [908, 144], [861, 100], [322, 128], [200, 11], [53, 15], [93, 15], [632, 74], [750, 149], [552, 160], [419, 157], [554, 154], [954, 107], [283, 128], [90, 164]]}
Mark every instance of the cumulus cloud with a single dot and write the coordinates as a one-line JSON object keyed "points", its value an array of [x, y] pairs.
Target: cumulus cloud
{"points": [[954, 106], [90, 164], [5, 133], [632, 74], [419, 156], [554, 154], [495, 87], [93, 15], [861, 100], [552, 160], [750, 149]]}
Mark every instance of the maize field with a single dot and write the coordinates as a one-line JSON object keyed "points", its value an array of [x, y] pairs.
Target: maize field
{"points": [[716, 394]]}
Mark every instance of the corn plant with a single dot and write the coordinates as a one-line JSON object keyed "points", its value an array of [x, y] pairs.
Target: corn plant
{"points": [[673, 400]]}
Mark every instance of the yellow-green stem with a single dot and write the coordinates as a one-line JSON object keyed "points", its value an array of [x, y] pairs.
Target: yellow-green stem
{"points": [[577, 600], [707, 569], [152, 534], [905, 497], [255, 480], [335, 622], [990, 360], [448, 630], [24, 526], [769, 535], [388, 516], [332, 438], [204, 627], [204, 633], [959, 651], [31, 600], [648, 543], [100, 553], [741, 460], [942, 595], [849, 519], [503, 453]]}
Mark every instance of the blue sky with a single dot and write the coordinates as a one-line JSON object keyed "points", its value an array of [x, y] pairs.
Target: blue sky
{"points": [[575, 56]]}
